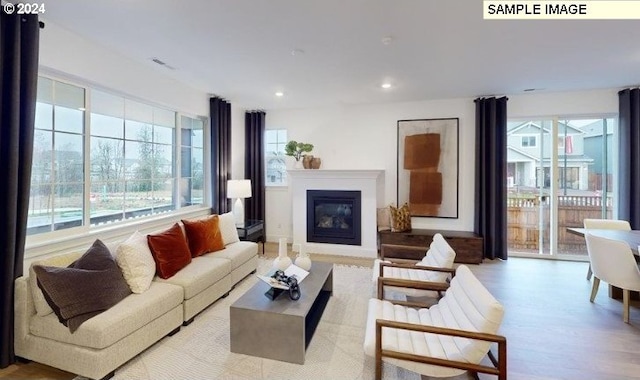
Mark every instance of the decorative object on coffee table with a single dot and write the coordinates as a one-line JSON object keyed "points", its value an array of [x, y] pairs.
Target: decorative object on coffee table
{"points": [[303, 260], [283, 261]]}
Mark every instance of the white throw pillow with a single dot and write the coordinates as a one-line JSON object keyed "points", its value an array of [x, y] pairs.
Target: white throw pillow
{"points": [[227, 224], [136, 262]]}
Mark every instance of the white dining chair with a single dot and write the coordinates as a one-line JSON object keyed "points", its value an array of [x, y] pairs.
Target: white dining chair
{"points": [[612, 262], [605, 224]]}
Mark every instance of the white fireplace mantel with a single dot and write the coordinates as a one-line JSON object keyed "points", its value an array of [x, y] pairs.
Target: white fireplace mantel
{"points": [[371, 185]]}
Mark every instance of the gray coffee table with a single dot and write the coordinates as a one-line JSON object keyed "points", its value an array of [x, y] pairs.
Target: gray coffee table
{"points": [[280, 329]]}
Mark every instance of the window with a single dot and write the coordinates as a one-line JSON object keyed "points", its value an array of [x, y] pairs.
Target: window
{"points": [[131, 158], [528, 141], [130, 170], [57, 179], [275, 163], [192, 161], [549, 191]]}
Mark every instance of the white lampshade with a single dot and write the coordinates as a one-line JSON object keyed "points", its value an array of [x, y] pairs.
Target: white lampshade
{"points": [[239, 188]]}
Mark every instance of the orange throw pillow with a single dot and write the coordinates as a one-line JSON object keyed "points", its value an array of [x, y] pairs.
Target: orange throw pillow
{"points": [[170, 251], [203, 235]]}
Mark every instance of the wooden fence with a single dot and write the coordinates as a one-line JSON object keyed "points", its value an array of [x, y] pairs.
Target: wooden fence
{"points": [[524, 224]]}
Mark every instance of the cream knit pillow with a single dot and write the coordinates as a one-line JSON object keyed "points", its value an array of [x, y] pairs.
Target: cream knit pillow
{"points": [[136, 262], [227, 225]]}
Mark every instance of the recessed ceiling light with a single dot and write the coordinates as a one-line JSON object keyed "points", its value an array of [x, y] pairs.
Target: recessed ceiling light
{"points": [[387, 40], [297, 51], [279, 94], [386, 85]]}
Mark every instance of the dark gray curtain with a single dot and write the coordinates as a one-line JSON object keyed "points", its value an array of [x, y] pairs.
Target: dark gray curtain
{"points": [[19, 40], [254, 163], [490, 185], [220, 114], [629, 164]]}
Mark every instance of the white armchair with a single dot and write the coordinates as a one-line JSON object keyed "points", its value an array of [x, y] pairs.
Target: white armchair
{"points": [[605, 224], [612, 262], [436, 266], [444, 340]]}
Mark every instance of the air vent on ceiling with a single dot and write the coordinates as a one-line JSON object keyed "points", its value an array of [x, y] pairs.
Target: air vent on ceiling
{"points": [[162, 63]]}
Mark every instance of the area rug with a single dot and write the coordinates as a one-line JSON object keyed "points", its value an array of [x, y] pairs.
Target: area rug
{"points": [[201, 350]]}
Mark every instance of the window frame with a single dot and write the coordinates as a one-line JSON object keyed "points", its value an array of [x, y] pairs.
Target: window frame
{"points": [[267, 157], [528, 139], [43, 243]]}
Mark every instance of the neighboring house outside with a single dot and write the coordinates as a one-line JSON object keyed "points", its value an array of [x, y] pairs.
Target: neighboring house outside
{"points": [[528, 155], [593, 135]]}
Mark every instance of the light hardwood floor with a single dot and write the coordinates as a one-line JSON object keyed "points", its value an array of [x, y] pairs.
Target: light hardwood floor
{"points": [[552, 329]]}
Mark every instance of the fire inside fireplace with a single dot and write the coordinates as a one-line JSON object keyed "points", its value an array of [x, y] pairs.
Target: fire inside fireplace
{"points": [[334, 216]]}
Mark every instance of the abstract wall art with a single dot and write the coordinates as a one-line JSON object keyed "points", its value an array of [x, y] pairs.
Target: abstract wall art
{"points": [[428, 166]]}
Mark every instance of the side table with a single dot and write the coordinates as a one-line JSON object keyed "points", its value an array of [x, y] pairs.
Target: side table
{"points": [[253, 230]]}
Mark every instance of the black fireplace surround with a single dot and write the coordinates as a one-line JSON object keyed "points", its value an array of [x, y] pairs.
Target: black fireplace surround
{"points": [[334, 217]]}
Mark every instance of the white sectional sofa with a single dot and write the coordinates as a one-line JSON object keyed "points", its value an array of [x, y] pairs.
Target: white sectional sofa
{"points": [[105, 342]]}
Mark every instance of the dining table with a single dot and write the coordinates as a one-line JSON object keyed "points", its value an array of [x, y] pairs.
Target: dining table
{"points": [[631, 237]]}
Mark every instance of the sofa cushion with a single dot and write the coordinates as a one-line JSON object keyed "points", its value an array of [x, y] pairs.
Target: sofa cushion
{"points": [[105, 329], [91, 285], [170, 251], [136, 262], [228, 228], [238, 253], [199, 275], [40, 303], [203, 235]]}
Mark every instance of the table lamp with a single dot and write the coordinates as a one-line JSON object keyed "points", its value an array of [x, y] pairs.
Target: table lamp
{"points": [[239, 189]]}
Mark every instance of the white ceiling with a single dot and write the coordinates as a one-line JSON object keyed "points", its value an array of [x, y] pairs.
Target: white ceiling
{"points": [[242, 49]]}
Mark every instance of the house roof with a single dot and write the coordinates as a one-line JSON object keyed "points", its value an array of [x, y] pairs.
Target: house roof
{"points": [[531, 124]]}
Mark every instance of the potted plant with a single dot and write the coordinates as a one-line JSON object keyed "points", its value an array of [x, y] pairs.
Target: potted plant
{"points": [[297, 150]]}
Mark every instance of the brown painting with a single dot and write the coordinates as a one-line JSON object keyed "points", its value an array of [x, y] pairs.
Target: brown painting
{"points": [[428, 167]]}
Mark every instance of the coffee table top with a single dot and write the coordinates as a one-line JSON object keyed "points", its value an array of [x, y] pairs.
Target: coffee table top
{"points": [[310, 287]]}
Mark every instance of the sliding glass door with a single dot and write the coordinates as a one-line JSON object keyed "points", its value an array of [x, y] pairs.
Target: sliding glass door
{"points": [[559, 172]]}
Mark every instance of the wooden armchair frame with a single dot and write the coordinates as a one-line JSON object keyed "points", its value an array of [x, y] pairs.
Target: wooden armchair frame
{"points": [[412, 284], [499, 364], [499, 367]]}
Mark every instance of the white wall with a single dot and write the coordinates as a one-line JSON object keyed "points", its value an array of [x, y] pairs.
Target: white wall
{"points": [[365, 137], [62, 51]]}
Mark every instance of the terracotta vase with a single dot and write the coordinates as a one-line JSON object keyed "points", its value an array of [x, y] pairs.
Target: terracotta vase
{"points": [[306, 161], [316, 162]]}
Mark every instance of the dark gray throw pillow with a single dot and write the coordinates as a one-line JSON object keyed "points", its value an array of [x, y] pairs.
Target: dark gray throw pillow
{"points": [[89, 286]]}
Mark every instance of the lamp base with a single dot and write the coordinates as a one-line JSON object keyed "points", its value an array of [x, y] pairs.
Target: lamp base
{"points": [[238, 213]]}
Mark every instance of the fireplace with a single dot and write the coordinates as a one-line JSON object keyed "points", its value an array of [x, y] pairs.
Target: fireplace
{"points": [[334, 217]]}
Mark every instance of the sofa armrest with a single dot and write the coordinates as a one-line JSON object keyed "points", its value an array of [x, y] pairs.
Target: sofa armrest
{"points": [[500, 364], [23, 310]]}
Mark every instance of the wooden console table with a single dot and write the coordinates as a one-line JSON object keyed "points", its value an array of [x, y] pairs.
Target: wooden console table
{"points": [[468, 245]]}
